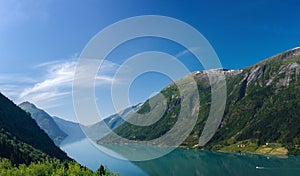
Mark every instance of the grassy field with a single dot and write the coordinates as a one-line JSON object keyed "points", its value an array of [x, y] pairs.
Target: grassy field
{"points": [[251, 146]]}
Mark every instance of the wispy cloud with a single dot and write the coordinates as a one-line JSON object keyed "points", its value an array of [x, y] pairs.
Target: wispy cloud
{"points": [[46, 64], [12, 84], [58, 77], [52, 83], [187, 51], [10, 90]]}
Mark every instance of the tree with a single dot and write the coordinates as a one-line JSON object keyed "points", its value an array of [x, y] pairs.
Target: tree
{"points": [[101, 171]]}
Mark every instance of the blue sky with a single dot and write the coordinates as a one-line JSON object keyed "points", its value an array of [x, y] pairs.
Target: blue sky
{"points": [[40, 42]]}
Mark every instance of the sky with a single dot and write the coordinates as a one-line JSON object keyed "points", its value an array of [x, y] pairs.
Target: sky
{"points": [[40, 42]]}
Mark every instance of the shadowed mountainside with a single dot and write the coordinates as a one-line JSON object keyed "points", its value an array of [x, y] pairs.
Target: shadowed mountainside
{"points": [[45, 121], [21, 139]]}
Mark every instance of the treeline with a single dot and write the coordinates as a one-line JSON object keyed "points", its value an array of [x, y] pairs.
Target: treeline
{"points": [[50, 167], [17, 151]]}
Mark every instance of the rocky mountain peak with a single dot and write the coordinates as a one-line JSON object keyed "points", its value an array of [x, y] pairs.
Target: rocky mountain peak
{"points": [[289, 53], [27, 104]]}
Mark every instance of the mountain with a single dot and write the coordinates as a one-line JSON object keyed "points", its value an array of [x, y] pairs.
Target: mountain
{"points": [[21, 139], [58, 129], [263, 108], [72, 129], [262, 112], [99, 129], [116, 120], [45, 121]]}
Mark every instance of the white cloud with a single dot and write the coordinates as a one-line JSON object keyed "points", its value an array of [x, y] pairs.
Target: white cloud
{"points": [[59, 76], [46, 64], [104, 79], [184, 52], [13, 84], [85, 73], [10, 90], [52, 83]]}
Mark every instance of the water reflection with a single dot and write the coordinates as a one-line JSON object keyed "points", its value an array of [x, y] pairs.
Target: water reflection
{"points": [[197, 162], [184, 162], [88, 155]]}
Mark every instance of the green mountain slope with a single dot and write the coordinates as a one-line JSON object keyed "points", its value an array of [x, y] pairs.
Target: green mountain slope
{"points": [[21, 139], [262, 113], [45, 121], [16, 151], [263, 108]]}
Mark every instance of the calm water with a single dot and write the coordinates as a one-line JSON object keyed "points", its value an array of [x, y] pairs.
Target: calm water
{"points": [[185, 162], [88, 155]]}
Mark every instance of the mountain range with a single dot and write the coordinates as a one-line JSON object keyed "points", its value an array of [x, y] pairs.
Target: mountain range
{"points": [[100, 129], [262, 115], [59, 129], [262, 112]]}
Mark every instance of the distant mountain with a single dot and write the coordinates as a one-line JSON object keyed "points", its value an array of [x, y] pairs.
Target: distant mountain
{"points": [[59, 129], [99, 129], [262, 113], [21, 139], [72, 129], [45, 121]]}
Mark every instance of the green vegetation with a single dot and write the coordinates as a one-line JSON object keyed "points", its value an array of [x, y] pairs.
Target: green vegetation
{"points": [[50, 167], [268, 112], [18, 152], [25, 149], [263, 106], [157, 129], [18, 129], [251, 146]]}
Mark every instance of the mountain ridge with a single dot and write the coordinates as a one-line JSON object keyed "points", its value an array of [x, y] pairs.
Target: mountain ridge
{"points": [[262, 108], [21, 139], [45, 121], [111, 122]]}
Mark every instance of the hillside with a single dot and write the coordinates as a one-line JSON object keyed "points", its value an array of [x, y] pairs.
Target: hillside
{"points": [[262, 113], [16, 151], [45, 121], [21, 139], [262, 110]]}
